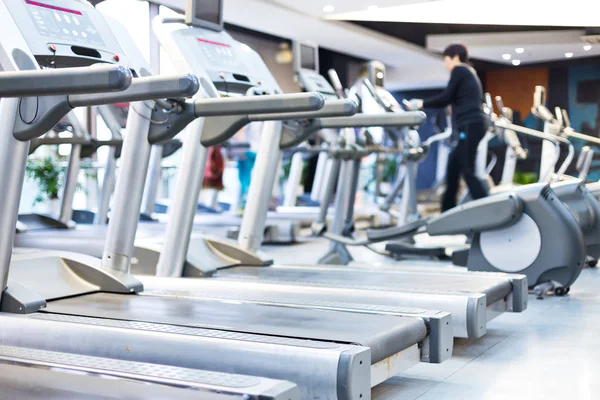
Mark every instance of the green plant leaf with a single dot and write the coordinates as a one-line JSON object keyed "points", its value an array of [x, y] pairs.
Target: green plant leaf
{"points": [[48, 177]]}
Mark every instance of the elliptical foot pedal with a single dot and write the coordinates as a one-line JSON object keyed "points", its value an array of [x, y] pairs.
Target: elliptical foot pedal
{"points": [[541, 289], [399, 249]]}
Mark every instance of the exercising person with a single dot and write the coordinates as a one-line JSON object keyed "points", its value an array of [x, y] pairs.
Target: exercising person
{"points": [[465, 94]]}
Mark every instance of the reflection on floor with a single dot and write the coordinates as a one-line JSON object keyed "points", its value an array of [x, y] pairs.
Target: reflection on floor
{"points": [[549, 352]]}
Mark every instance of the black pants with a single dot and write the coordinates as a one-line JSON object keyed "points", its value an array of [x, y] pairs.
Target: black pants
{"points": [[462, 162]]}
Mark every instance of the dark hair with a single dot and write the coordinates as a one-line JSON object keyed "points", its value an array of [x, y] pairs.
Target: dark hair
{"points": [[457, 50]]}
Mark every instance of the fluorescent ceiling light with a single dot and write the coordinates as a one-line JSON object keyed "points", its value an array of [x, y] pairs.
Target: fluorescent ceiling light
{"points": [[373, 8], [329, 8], [519, 50], [516, 63], [587, 47], [568, 55], [506, 56]]}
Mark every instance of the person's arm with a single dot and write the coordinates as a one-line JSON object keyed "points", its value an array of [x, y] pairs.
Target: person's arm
{"points": [[445, 98]]}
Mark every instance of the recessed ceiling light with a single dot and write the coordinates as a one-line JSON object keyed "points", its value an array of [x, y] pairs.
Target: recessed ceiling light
{"points": [[373, 8], [519, 50], [329, 8], [516, 63], [587, 47], [568, 55], [506, 56]]}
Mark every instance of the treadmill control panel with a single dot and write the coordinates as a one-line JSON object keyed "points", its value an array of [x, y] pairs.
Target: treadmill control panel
{"points": [[220, 55], [63, 23], [65, 33], [312, 81], [220, 59]]}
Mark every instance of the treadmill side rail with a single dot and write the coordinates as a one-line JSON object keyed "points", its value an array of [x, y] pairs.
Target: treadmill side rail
{"points": [[197, 380]]}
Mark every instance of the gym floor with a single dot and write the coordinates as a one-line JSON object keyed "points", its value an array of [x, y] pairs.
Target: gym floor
{"points": [[550, 351]]}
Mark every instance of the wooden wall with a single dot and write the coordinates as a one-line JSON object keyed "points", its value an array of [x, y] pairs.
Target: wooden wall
{"points": [[516, 86]]}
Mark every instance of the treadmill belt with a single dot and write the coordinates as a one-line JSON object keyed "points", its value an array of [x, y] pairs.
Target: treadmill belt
{"points": [[384, 334], [494, 288]]}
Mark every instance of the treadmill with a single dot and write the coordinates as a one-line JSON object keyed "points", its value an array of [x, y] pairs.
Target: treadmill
{"points": [[471, 299], [183, 253], [369, 213], [283, 225], [95, 308], [31, 373]]}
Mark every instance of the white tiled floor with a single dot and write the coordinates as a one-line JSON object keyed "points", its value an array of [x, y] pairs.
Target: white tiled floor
{"points": [[551, 351]]}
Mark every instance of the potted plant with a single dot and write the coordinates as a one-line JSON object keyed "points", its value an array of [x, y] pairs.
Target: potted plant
{"points": [[48, 177], [525, 178]]}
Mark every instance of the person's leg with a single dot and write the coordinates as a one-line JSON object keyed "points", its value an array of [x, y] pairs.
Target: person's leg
{"points": [[452, 181], [468, 143]]}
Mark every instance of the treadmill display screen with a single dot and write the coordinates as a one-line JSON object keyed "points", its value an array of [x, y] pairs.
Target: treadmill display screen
{"points": [[205, 11], [63, 23], [308, 57]]}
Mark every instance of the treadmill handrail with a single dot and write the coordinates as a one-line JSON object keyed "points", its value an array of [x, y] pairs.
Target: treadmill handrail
{"points": [[332, 108], [49, 110], [69, 81], [278, 103], [226, 116], [409, 118], [146, 88]]}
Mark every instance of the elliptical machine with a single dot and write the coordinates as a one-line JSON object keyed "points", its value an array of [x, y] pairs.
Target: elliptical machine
{"points": [[499, 225]]}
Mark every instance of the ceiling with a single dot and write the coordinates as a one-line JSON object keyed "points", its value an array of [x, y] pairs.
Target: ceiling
{"points": [[316, 7], [270, 17], [580, 13], [403, 59], [400, 33], [547, 30], [537, 46]]}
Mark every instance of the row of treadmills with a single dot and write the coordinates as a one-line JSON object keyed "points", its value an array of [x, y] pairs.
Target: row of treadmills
{"points": [[200, 317]]}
